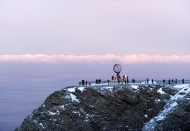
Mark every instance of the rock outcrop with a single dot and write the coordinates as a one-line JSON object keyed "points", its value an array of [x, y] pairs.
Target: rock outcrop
{"points": [[106, 108]]}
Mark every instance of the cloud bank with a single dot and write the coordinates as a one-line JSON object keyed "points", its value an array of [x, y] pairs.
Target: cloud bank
{"points": [[127, 59]]}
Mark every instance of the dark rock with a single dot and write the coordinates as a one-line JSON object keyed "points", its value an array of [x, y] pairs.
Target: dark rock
{"points": [[97, 108]]}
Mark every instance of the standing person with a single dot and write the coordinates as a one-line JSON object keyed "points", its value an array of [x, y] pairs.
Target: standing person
{"points": [[125, 81], [163, 81], [172, 81], [123, 77], [108, 81], [169, 81], [183, 81], [145, 80], [152, 81], [118, 78], [82, 82], [86, 82]]}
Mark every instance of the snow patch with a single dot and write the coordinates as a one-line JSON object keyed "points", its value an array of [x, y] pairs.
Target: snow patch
{"points": [[161, 91], [181, 86], [51, 113], [71, 89], [73, 97], [81, 88], [41, 125], [134, 86], [61, 107], [108, 87]]}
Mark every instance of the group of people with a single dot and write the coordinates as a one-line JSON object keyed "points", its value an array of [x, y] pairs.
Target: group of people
{"points": [[98, 81], [126, 80], [84, 82], [173, 81], [147, 81]]}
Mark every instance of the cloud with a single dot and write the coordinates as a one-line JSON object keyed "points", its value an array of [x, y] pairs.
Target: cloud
{"points": [[127, 59]]}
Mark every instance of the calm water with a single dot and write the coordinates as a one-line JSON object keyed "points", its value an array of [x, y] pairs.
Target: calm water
{"points": [[19, 97]]}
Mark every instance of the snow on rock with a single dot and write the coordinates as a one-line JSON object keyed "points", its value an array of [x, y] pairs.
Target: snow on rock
{"points": [[181, 86], [108, 87], [161, 91], [71, 89], [51, 113], [61, 107], [41, 125], [81, 88], [73, 97], [134, 86], [169, 107]]}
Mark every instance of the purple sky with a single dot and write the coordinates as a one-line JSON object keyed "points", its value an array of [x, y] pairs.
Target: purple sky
{"points": [[144, 35]]}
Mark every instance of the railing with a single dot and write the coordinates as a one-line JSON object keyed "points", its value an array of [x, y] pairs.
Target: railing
{"points": [[115, 82]]}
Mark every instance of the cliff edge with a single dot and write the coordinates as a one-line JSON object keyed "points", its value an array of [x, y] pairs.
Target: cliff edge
{"points": [[105, 108]]}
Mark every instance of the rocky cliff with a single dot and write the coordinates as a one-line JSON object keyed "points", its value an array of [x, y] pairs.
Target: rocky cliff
{"points": [[119, 108]]}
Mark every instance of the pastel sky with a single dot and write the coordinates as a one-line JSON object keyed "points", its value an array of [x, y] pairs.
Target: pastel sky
{"points": [[103, 31]]}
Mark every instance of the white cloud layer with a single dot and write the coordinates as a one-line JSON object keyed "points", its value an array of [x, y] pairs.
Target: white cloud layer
{"points": [[127, 59]]}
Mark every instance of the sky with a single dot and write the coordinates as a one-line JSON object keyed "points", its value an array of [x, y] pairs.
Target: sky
{"points": [[149, 37]]}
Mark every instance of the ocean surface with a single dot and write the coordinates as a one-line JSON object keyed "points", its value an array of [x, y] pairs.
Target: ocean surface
{"points": [[20, 95]]}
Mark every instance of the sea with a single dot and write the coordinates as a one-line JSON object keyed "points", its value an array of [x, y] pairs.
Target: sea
{"points": [[19, 96]]}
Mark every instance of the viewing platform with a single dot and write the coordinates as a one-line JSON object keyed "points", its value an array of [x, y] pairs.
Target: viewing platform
{"points": [[137, 82]]}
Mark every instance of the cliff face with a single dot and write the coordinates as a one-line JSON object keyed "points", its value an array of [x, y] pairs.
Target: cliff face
{"points": [[144, 107]]}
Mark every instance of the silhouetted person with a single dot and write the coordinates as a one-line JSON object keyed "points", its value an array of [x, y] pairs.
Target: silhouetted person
{"points": [[108, 81], [152, 81], [182, 81], [169, 81], [163, 81], [112, 77], [82, 82]]}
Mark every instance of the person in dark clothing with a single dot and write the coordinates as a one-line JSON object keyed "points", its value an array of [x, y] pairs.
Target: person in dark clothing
{"points": [[169, 81], [108, 81], [152, 81], [183, 81], [163, 81], [112, 77], [147, 80], [172, 81], [82, 82]]}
